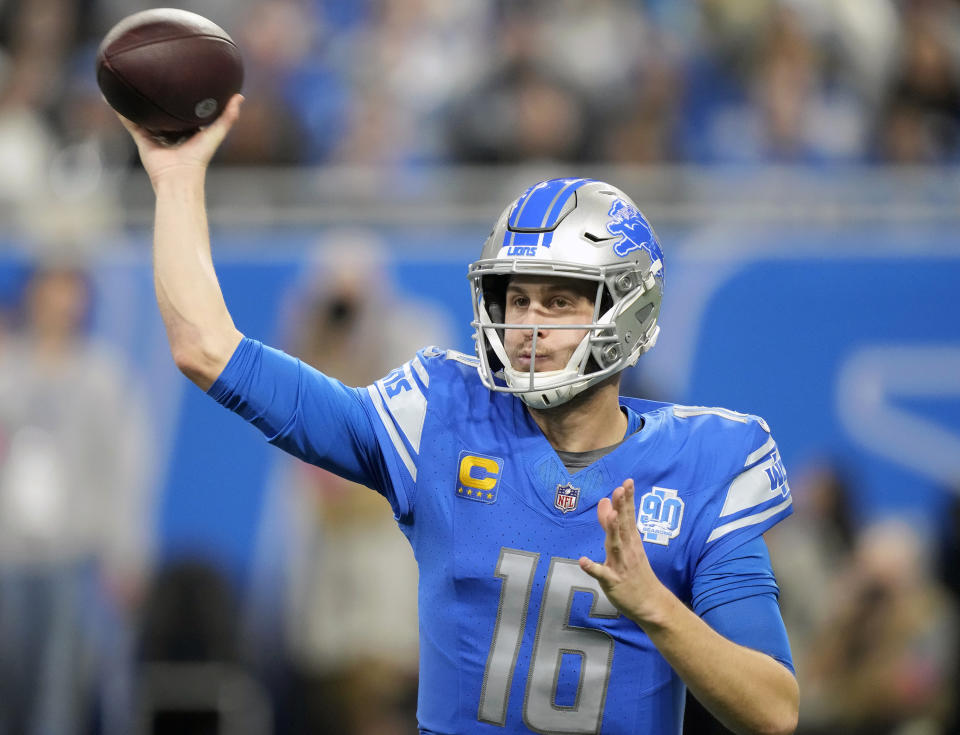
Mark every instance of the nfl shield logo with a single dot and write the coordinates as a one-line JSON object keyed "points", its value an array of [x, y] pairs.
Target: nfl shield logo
{"points": [[567, 497]]}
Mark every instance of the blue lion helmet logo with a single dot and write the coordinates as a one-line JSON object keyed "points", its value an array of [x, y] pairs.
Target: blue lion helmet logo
{"points": [[633, 230]]}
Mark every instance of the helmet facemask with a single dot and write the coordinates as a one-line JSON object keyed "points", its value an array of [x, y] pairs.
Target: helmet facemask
{"points": [[621, 330]]}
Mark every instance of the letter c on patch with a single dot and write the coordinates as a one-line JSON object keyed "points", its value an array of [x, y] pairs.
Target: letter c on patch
{"points": [[479, 473]]}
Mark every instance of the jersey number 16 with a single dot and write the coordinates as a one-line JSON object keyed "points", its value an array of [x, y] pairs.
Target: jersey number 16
{"points": [[554, 638]]}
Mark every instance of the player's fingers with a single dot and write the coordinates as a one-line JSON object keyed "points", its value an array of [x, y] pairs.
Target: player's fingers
{"points": [[601, 572], [128, 124], [221, 126], [608, 513], [619, 501], [139, 134], [605, 513], [232, 111], [616, 498], [626, 518]]}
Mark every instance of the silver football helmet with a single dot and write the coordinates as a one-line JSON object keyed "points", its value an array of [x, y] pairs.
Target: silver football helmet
{"points": [[573, 228]]}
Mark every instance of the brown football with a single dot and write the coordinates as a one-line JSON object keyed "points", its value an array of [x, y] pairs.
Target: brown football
{"points": [[168, 70]]}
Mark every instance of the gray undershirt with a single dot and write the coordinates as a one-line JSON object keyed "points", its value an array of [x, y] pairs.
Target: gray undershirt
{"points": [[576, 461]]}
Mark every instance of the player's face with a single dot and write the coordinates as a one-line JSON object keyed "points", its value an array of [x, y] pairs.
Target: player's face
{"points": [[545, 300]]}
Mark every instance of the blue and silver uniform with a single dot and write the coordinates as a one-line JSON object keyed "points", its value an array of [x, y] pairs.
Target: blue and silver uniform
{"points": [[514, 636]]}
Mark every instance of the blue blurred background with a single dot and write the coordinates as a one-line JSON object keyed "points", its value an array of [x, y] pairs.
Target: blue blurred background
{"points": [[798, 158]]}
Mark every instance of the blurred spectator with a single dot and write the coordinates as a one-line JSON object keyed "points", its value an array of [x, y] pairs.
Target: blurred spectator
{"points": [[408, 65], [521, 112], [948, 572], [884, 658], [352, 621], [275, 37], [645, 129], [809, 550], [35, 37], [920, 120], [75, 536], [615, 31], [807, 554], [52, 179], [192, 676], [782, 103]]}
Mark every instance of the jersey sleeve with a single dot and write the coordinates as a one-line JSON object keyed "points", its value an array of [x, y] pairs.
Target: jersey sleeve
{"points": [[737, 596], [757, 496], [311, 416]]}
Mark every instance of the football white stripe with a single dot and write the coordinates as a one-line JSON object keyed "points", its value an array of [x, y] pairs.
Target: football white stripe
{"points": [[765, 449], [392, 432], [726, 528]]}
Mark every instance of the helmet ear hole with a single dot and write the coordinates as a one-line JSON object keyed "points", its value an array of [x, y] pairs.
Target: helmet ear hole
{"points": [[644, 313], [606, 301]]}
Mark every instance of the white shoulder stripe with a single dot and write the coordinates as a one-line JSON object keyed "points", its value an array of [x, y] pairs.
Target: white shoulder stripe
{"points": [[751, 520], [764, 450], [405, 402], [392, 432], [684, 412], [421, 371], [751, 488], [463, 357]]}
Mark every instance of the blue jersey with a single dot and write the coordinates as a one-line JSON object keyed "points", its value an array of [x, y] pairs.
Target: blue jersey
{"points": [[514, 636]]}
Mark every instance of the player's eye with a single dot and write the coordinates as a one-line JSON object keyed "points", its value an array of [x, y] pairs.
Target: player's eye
{"points": [[518, 300]]}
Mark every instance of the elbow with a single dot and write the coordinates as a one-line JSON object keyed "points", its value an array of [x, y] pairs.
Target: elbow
{"points": [[202, 361], [773, 724], [784, 725], [779, 714], [191, 363], [782, 720]]}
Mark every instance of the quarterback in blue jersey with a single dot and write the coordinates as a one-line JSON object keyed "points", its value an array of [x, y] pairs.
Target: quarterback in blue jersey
{"points": [[533, 618]]}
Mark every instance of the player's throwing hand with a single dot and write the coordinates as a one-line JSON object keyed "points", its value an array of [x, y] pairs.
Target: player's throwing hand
{"points": [[626, 576], [192, 155]]}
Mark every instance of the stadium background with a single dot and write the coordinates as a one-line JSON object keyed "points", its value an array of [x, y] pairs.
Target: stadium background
{"points": [[799, 162]]}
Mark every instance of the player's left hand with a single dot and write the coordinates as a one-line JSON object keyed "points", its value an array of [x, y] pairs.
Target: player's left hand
{"points": [[626, 576]]}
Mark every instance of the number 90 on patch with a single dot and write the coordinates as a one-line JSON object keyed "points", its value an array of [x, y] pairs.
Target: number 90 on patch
{"points": [[660, 515]]}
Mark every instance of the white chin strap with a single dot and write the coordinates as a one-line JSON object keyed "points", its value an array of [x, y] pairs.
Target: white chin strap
{"points": [[550, 387]]}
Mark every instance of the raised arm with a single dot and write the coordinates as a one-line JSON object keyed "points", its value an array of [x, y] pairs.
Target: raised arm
{"points": [[200, 330]]}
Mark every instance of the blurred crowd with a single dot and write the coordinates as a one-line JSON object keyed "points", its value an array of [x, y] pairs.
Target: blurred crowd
{"points": [[872, 606], [407, 82]]}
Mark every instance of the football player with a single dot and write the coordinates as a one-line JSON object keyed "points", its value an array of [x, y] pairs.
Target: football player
{"points": [[499, 465]]}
